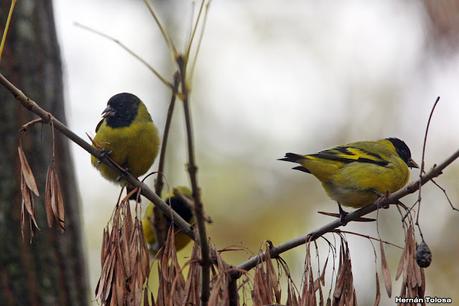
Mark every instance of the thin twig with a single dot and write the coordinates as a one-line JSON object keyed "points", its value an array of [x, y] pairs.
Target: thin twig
{"points": [[128, 50], [159, 183], [166, 37], [367, 237], [446, 195], [391, 199], [196, 192], [158, 224], [198, 45], [193, 31], [33, 107], [7, 27], [423, 164]]}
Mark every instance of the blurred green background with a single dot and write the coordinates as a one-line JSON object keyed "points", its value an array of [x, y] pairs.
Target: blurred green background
{"points": [[275, 77]]}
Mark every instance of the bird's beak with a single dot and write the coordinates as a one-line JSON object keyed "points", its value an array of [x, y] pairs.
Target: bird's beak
{"points": [[108, 112], [412, 164]]}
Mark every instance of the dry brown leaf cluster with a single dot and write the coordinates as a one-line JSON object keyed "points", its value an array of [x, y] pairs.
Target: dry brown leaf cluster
{"points": [[172, 284], [344, 293], [413, 278], [54, 202], [28, 190], [312, 286], [176, 290], [125, 260], [266, 284]]}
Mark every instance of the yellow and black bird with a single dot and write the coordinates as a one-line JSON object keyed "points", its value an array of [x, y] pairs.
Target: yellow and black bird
{"points": [[176, 199], [356, 174], [128, 134]]}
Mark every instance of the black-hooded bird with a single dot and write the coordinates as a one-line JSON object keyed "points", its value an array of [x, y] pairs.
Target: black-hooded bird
{"points": [[356, 174], [176, 200], [128, 134]]}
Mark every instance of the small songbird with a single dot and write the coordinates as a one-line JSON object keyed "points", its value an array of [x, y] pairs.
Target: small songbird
{"points": [[176, 200], [128, 134], [358, 173]]}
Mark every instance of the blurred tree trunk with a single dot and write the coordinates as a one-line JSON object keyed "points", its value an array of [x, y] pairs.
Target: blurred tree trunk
{"points": [[51, 270]]}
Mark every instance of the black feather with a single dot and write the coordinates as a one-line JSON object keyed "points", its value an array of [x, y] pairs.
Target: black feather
{"points": [[402, 149], [181, 208], [292, 157], [301, 168], [125, 107]]}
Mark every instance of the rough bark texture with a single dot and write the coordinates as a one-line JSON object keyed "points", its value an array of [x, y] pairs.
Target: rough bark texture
{"points": [[51, 270]]}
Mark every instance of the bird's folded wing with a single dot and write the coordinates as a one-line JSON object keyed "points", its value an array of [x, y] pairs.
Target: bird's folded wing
{"points": [[348, 154]]}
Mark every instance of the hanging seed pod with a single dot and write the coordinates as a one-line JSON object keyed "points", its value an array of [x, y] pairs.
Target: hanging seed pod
{"points": [[423, 255]]}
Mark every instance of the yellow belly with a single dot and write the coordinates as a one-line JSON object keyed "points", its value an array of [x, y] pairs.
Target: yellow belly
{"points": [[357, 185], [134, 147]]}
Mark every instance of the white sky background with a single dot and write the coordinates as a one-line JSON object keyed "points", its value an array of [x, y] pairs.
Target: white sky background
{"points": [[271, 78]]}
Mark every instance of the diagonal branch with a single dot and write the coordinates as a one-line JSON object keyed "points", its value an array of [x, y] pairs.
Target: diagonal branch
{"points": [[145, 190], [381, 202]]}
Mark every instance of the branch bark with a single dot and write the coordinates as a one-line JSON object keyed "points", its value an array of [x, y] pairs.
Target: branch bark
{"points": [[193, 169]]}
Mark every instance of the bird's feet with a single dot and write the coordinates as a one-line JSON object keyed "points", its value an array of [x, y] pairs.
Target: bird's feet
{"points": [[342, 215], [105, 153], [381, 197]]}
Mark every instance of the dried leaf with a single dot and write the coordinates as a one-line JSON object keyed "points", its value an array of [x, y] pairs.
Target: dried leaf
{"points": [[344, 293], [385, 270], [49, 199], [191, 296], [60, 216], [124, 260], [26, 172], [413, 282], [401, 264], [378, 291]]}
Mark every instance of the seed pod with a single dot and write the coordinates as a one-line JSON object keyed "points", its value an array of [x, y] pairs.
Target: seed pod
{"points": [[423, 255]]}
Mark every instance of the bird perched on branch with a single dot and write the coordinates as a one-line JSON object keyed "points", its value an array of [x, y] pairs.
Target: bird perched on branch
{"points": [[356, 174], [179, 200], [128, 134]]}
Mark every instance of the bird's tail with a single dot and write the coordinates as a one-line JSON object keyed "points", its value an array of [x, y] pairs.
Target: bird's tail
{"points": [[295, 158], [292, 157]]}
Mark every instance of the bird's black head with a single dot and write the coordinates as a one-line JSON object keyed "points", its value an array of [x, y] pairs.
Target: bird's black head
{"points": [[182, 209], [403, 151], [121, 110]]}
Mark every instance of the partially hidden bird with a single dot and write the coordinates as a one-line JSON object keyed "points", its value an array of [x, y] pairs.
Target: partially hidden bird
{"points": [[128, 135], [177, 199], [356, 174]]}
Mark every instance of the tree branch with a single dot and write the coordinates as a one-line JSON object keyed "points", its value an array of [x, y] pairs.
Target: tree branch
{"points": [[158, 224], [381, 202], [145, 190], [193, 169]]}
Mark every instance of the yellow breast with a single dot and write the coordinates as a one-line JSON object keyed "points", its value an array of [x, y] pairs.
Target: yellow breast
{"points": [[133, 147]]}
